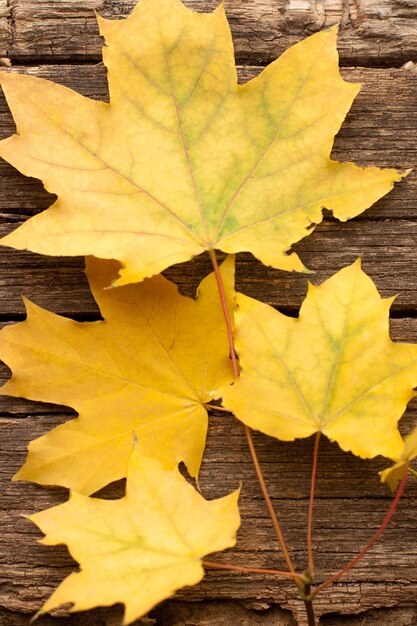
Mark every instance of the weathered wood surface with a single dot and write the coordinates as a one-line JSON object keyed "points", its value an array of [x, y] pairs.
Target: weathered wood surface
{"points": [[372, 33], [381, 129], [31, 570], [387, 249]]}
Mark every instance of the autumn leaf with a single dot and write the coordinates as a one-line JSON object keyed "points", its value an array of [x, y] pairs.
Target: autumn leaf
{"points": [[138, 550], [333, 370], [149, 367], [392, 475], [184, 159]]}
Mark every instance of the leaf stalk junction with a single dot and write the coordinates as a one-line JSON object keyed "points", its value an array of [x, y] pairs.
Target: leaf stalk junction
{"points": [[304, 580]]}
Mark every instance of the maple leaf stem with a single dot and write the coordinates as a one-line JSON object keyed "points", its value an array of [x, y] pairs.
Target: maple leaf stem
{"points": [[254, 570], [308, 603], [371, 542], [248, 433], [267, 499], [311, 505], [226, 312]]}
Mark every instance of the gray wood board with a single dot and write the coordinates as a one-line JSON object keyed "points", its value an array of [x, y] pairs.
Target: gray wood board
{"points": [[372, 33]]}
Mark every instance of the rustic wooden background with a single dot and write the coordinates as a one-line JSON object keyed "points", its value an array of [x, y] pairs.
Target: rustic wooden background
{"points": [[58, 39]]}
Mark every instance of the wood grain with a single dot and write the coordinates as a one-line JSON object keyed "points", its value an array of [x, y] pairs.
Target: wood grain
{"points": [[31, 570], [372, 33], [386, 248], [381, 130]]}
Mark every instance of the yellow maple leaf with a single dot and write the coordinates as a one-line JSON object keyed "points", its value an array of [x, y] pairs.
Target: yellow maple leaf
{"points": [[392, 475], [333, 370], [149, 367], [138, 550], [184, 159]]}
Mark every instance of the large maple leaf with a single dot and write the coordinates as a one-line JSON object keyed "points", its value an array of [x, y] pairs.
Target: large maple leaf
{"points": [[184, 159], [333, 370], [142, 548], [149, 367]]}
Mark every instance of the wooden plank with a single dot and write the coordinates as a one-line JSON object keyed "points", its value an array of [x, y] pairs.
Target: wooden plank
{"points": [[346, 515], [388, 250], [30, 570], [217, 613], [379, 130], [389, 137], [387, 247], [377, 34], [205, 613], [5, 30]]}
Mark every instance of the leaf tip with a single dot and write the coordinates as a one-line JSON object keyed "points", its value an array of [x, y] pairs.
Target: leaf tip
{"points": [[37, 615], [220, 8], [311, 287], [395, 175], [331, 33], [27, 304], [16, 478], [333, 29], [390, 300], [308, 271]]}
